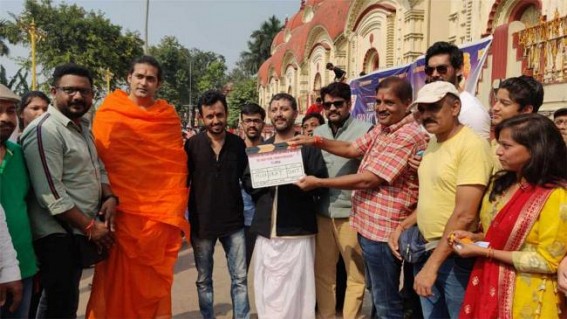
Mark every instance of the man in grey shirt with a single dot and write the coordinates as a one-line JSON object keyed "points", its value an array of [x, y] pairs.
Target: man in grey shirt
{"points": [[70, 186], [335, 236]]}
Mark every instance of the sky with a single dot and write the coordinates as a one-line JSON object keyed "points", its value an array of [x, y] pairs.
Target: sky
{"points": [[221, 26]]}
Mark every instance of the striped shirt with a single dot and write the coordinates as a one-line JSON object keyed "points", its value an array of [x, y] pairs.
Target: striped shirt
{"points": [[377, 212], [64, 170]]}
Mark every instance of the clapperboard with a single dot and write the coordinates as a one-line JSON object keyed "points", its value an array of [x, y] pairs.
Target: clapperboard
{"points": [[275, 164]]}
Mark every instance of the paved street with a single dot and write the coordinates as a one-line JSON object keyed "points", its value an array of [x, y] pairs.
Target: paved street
{"points": [[185, 303]]}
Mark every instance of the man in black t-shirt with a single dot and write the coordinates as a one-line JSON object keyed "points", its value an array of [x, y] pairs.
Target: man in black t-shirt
{"points": [[216, 161]]}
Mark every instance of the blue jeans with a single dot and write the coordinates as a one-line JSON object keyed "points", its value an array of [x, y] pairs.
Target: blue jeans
{"points": [[24, 309], [448, 290], [235, 250], [383, 277]]}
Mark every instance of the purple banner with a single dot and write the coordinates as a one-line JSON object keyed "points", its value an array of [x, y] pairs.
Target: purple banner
{"points": [[363, 88]]}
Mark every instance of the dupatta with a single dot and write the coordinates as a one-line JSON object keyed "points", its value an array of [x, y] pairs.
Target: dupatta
{"points": [[490, 290]]}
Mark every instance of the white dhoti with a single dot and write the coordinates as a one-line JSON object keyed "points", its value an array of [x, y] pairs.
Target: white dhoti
{"points": [[284, 278]]}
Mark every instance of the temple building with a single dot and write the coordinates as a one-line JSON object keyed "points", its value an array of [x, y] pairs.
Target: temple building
{"points": [[530, 37]]}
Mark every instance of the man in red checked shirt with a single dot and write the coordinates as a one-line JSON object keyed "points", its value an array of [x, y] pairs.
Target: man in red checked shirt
{"points": [[386, 187]]}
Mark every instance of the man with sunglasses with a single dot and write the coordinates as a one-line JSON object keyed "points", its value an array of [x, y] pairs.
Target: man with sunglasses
{"points": [[335, 237], [444, 62], [385, 186]]}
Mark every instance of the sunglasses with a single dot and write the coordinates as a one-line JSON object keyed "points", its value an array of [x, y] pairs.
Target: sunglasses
{"points": [[441, 69], [337, 104]]}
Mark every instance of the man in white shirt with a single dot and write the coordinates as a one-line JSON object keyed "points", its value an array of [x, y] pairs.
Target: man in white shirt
{"points": [[9, 269], [444, 62]]}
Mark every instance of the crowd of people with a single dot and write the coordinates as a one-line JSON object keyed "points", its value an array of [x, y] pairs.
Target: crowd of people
{"points": [[441, 210]]}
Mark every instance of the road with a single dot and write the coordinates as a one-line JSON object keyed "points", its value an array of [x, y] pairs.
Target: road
{"points": [[185, 303]]}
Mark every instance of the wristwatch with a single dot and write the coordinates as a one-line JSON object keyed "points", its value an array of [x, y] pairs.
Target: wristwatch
{"points": [[107, 197]]}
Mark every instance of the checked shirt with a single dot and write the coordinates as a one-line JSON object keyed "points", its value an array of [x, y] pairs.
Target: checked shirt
{"points": [[377, 212]]}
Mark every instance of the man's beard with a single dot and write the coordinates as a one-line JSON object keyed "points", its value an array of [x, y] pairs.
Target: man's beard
{"points": [[5, 136]]}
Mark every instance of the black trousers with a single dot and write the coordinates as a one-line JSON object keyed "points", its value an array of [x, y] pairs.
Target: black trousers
{"points": [[250, 241], [60, 274]]}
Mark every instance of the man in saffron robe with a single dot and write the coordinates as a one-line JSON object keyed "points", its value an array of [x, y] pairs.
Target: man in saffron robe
{"points": [[139, 137]]}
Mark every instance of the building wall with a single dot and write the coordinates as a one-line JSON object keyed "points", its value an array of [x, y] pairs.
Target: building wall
{"points": [[383, 34]]}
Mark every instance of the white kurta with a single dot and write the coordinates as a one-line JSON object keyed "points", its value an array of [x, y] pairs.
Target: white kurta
{"points": [[284, 278]]}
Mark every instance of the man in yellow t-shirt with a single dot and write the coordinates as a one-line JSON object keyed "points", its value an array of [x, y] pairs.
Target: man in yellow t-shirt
{"points": [[453, 174]]}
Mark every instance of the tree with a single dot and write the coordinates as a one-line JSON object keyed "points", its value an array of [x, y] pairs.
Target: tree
{"points": [[243, 91], [18, 83], [75, 35], [187, 73], [174, 60], [4, 50], [259, 45]]}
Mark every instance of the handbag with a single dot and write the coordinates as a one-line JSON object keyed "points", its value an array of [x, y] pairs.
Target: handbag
{"points": [[412, 245], [87, 252]]}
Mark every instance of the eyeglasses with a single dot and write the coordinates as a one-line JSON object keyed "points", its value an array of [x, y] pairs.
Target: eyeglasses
{"points": [[252, 121], [441, 69], [70, 90], [337, 104]]}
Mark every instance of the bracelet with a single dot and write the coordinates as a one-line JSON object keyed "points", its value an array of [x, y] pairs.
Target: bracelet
{"points": [[89, 227], [317, 141], [489, 253]]}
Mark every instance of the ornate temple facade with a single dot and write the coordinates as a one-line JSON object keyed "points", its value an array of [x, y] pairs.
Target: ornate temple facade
{"points": [[530, 37]]}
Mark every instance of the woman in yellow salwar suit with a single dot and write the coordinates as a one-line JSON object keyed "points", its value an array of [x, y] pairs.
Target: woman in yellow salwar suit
{"points": [[524, 222]]}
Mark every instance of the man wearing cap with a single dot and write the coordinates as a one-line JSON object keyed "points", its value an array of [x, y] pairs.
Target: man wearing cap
{"points": [[14, 186], [444, 62], [453, 174]]}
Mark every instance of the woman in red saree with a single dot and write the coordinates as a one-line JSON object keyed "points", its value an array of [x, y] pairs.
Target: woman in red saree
{"points": [[524, 218]]}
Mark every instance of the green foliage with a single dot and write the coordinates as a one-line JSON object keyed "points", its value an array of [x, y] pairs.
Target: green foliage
{"points": [[259, 45], [213, 77], [17, 83], [187, 73], [4, 50], [75, 35], [244, 91]]}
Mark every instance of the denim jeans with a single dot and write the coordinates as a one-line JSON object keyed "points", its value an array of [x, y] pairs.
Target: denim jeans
{"points": [[235, 250], [383, 276], [24, 309], [448, 290]]}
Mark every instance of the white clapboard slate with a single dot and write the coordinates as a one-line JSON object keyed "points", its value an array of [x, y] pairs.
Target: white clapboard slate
{"points": [[275, 164]]}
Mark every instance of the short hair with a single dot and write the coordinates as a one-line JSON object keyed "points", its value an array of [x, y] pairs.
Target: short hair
{"points": [[318, 100], [524, 90], [318, 116], [71, 69], [285, 96], [546, 166], [27, 98], [211, 97], [329, 66], [442, 47], [251, 109], [150, 60], [337, 89], [560, 112], [401, 88]]}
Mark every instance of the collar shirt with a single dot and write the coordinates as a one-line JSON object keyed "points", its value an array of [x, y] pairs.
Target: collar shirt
{"points": [[337, 202], [65, 170], [377, 212], [215, 198]]}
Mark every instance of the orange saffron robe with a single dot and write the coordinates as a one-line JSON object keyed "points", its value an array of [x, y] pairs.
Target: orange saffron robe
{"points": [[142, 151]]}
